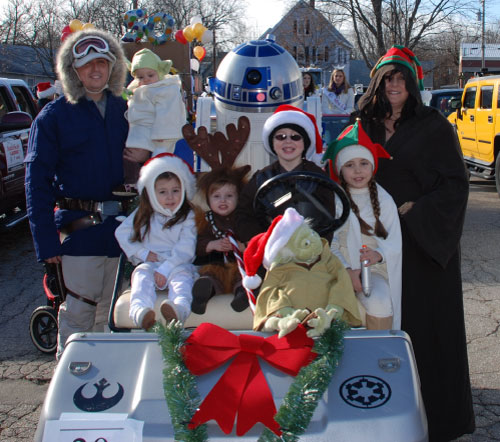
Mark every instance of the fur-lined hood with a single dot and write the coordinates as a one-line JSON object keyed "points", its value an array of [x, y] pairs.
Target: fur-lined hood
{"points": [[72, 86]]}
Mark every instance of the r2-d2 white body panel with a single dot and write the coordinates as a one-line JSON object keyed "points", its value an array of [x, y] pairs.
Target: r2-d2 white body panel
{"points": [[253, 80]]}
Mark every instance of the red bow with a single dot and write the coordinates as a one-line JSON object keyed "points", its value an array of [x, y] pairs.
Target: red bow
{"points": [[243, 388]]}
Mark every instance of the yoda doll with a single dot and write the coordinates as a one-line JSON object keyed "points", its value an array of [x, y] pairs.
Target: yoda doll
{"points": [[304, 283]]}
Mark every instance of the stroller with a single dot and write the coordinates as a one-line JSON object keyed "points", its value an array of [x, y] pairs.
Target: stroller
{"points": [[43, 322]]}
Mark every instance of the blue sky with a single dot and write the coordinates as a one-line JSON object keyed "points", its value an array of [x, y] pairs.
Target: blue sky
{"points": [[263, 14]]}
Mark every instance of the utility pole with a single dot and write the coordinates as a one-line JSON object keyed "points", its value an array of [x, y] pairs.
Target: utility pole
{"points": [[483, 65], [214, 51]]}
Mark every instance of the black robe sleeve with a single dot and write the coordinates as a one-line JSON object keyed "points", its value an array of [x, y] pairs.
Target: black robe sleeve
{"points": [[428, 169]]}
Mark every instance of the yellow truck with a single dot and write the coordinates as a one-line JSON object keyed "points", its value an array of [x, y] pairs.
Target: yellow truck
{"points": [[477, 122]]}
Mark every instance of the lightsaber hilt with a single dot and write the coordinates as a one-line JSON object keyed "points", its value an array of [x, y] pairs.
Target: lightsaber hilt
{"points": [[366, 276]]}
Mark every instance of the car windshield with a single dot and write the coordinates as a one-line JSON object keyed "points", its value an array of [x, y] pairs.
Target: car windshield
{"points": [[443, 101]]}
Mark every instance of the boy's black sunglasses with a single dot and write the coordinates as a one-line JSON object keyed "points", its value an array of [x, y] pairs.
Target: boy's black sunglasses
{"points": [[283, 137]]}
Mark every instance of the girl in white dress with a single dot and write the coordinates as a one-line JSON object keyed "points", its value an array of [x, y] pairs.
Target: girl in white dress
{"points": [[372, 231]]}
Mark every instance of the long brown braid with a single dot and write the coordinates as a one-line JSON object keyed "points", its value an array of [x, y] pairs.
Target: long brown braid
{"points": [[365, 227], [379, 227], [145, 211]]}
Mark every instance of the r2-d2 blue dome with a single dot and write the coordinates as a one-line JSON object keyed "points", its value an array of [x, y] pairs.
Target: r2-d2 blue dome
{"points": [[258, 76]]}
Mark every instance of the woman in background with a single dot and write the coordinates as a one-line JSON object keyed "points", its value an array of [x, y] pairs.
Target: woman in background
{"points": [[338, 97], [309, 86]]}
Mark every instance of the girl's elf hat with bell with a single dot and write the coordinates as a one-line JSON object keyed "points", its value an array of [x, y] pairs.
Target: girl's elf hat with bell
{"points": [[353, 142]]}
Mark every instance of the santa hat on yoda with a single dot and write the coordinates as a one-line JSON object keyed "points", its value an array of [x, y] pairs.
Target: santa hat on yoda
{"points": [[305, 282]]}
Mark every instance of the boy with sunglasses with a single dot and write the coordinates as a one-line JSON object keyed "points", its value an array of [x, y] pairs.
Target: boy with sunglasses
{"points": [[74, 161], [292, 137]]}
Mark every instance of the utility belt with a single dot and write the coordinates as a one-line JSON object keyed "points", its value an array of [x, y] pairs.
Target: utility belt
{"points": [[100, 210]]}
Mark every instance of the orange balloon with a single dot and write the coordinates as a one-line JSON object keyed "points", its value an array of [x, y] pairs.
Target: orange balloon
{"points": [[199, 52], [188, 33]]}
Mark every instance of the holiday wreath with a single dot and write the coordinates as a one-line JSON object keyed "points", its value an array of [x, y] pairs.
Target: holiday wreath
{"points": [[316, 362]]}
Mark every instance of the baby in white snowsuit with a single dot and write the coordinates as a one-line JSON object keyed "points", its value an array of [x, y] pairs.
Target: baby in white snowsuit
{"points": [[156, 114]]}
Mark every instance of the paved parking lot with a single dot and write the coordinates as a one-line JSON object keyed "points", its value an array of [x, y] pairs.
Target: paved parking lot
{"points": [[25, 373]]}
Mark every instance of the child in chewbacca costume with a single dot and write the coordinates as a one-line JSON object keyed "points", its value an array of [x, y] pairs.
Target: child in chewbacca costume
{"points": [[220, 188], [219, 272]]}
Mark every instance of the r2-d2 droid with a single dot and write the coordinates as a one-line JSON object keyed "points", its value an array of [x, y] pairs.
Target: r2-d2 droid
{"points": [[253, 80]]}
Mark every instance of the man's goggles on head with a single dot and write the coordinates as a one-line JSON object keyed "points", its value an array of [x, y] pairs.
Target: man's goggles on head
{"points": [[83, 47]]}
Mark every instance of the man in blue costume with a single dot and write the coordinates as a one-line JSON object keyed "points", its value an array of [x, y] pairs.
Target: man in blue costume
{"points": [[74, 160]]}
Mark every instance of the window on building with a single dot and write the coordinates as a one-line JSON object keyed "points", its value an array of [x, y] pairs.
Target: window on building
{"points": [[306, 52], [302, 26], [327, 57], [340, 56], [295, 52], [314, 60], [486, 100]]}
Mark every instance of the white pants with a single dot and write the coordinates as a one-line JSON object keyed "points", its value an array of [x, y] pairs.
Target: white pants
{"points": [[379, 302], [143, 291], [92, 277]]}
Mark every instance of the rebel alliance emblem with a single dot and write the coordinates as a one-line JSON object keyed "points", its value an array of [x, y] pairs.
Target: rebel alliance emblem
{"points": [[97, 402], [365, 391]]}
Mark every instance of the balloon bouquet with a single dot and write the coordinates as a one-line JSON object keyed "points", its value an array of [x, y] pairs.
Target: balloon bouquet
{"points": [[158, 28], [195, 31], [74, 26]]}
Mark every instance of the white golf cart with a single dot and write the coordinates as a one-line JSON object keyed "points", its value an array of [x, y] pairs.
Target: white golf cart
{"points": [[113, 386]]}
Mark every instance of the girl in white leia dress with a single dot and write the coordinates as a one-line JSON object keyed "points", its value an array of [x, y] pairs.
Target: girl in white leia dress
{"points": [[373, 222], [160, 236]]}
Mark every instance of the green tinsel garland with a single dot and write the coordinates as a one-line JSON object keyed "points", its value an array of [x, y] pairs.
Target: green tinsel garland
{"points": [[297, 407], [308, 387], [179, 384]]}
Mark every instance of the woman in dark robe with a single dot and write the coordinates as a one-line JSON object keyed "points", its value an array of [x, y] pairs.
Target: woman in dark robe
{"points": [[427, 179]]}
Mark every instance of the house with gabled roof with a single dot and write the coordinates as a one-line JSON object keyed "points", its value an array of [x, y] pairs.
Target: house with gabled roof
{"points": [[26, 63], [312, 40]]}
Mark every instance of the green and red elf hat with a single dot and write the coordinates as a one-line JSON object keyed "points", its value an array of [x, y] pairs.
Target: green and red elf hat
{"points": [[353, 142], [402, 55]]}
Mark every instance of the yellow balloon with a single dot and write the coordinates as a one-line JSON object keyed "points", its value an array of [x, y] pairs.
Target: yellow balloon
{"points": [[75, 25], [88, 26], [198, 30], [188, 33]]}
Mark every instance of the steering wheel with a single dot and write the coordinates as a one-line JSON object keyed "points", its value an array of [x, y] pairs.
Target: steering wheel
{"points": [[294, 189]]}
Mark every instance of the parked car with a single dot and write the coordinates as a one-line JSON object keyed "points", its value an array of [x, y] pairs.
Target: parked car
{"points": [[18, 108], [443, 99], [477, 121], [332, 126], [15, 95]]}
